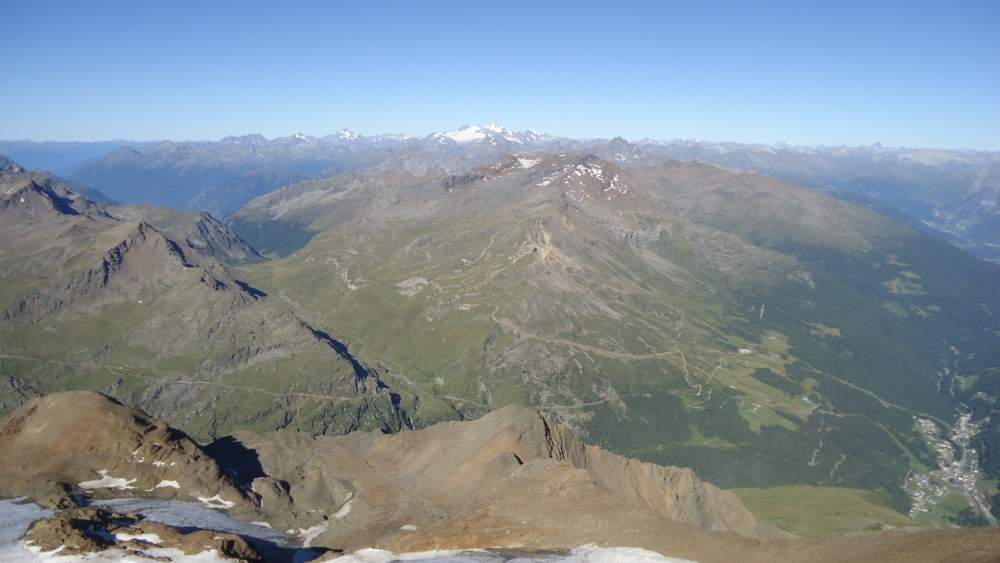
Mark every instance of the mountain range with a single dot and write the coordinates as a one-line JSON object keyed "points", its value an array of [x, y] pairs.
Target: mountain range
{"points": [[771, 317], [951, 194]]}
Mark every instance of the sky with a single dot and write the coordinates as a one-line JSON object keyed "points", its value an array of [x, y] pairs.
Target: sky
{"points": [[907, 73]]}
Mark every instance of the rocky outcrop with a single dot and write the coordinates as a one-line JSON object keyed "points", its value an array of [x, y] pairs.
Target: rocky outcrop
{"points": [[93, 445], [198, 230], [14, 391], [88, 531]]}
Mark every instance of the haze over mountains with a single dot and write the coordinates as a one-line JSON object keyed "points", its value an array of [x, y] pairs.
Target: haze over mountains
{"points": [[950, 193], [770, 316]]}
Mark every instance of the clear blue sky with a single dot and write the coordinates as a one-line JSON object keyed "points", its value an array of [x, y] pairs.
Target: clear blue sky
{"points": [[902, 73]]}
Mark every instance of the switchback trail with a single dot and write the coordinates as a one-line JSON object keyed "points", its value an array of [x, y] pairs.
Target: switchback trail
{"points": [[509, 325]]}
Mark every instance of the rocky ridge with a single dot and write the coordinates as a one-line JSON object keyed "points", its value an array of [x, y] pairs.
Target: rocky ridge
{"points": [[513, 479], [68, 265]]}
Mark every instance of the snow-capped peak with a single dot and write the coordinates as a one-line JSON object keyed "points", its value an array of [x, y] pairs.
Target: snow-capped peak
{"points": [[347, 134], [467, 134], [491, 132]]}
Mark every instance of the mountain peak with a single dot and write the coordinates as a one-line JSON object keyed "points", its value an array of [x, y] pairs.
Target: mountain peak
{"points": [[123, 154], [8, 164], [492, 133], [347, 134], [27, 197], [465, 134]]}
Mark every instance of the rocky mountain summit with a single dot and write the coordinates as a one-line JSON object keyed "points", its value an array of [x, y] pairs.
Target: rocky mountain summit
{"points": [[431, 483], [198, 230], [94, 445], [352, 491]]}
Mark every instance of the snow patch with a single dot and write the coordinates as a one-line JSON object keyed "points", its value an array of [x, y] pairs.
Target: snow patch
{"points": [[165, 483], [584, 554], [216, 502], [107, 482], [370, 555], [527, 162], [311, 533], [595, 554], [148, 538], [344, 510]]}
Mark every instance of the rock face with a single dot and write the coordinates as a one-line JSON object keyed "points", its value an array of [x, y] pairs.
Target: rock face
{"points": [[100, 447], [198, 230]]}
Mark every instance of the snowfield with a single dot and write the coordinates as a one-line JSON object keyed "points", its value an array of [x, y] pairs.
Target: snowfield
{"points": [[583, 554], [17, 516]]}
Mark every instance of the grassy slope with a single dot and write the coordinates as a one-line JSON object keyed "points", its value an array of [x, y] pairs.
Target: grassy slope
{"points": [[813, 511]]}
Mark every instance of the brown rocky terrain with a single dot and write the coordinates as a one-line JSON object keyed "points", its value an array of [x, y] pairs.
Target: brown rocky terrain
{"points": [[404, 489], [351, 491], [88, 443], [85, 531], [512, 479]]}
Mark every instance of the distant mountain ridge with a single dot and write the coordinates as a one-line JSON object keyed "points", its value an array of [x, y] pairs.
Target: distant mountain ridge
{"points": [[949, 193]]}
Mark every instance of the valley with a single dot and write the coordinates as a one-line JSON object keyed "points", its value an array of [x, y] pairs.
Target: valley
{"points": [[957, 468]]}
